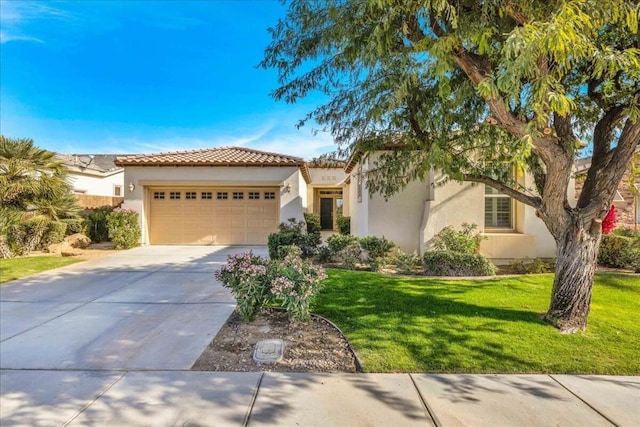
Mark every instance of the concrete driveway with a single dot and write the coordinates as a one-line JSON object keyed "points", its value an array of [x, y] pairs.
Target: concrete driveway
{"points": [[154, 307]]}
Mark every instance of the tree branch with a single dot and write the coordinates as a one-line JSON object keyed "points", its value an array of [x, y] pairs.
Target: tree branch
{"points": [[535, 202]]}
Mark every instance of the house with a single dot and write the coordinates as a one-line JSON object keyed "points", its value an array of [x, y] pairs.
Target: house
{"points": [[238, 196], [412, 217], [95, 179], [627, 197]]}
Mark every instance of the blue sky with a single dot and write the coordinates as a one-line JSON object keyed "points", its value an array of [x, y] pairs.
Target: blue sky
{"points": [[143, 76]]}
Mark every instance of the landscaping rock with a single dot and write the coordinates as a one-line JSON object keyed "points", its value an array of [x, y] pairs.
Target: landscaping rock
{"points": [[70, 253], [78, 240]]}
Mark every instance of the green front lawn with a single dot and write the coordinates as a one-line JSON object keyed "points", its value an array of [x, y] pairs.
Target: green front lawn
{"points": [[399, 324], [16, 268]]}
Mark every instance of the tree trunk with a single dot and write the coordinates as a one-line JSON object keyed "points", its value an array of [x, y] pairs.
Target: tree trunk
{"points": [[571, 296]]}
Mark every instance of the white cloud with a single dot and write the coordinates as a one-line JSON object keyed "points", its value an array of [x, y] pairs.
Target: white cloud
{"points": [[18, 19]]}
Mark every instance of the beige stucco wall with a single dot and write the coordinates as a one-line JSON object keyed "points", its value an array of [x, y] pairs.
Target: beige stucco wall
{"points": [[327, 178], [359, 209], [291, 201], [96, 185]]}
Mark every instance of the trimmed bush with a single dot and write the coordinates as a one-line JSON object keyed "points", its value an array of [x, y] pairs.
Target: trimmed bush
{"points": [[337, 242], [32, 232], [466, 241], [406, 263], [75, 225], [291, 233], [54, 233], [124, 228], [97, 224], [351, 255], [531, 266], [376, 248], [449, 263], [620, 249], [344, 224], [313, 223]]}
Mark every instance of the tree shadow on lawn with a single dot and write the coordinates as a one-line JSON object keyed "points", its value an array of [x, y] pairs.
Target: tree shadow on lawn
{"points": [[427, 323]]}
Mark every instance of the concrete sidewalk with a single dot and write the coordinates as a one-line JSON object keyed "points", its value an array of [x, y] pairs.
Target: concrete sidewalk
{"points": [[179, 398]]}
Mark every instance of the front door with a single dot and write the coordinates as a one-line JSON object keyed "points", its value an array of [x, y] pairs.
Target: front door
{"points": [[326, 213]]}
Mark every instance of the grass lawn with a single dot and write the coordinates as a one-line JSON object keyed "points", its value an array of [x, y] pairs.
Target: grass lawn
{"points": [[16, 268], [399, 324]]}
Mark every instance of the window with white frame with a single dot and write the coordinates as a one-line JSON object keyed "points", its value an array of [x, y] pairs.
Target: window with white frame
{"points": [[498, 210]]}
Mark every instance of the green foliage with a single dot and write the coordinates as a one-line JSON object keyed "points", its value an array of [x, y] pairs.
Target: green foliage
{"points": [[29, 235], [350, 255], [344, 224], [295, 282], [55, 232], [376, 249], [620, 249], [33, 181], [75, 225], [406, 263], [531, 266], [124, 228], [466, 241], [313, 223], [96, 223], [291, 233], [337, 242], [447, 263], [255, 282]]}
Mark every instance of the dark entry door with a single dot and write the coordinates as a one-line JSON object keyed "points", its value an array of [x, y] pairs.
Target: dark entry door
{"points": [[326, 213]]}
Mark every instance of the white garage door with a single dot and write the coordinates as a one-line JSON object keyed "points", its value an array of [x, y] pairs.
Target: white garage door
{"points": [[220, 216]]}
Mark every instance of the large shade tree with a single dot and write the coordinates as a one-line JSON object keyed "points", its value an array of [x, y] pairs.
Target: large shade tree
{"points": [[476, 89]]}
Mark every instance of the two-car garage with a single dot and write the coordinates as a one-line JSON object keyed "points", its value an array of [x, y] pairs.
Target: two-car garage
{"points": [[217, 196], [212, 215]]}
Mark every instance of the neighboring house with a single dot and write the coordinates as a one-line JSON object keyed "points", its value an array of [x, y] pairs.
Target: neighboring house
{"points": [[412, 217], [95, 179], [627, 197], [238, 196]]}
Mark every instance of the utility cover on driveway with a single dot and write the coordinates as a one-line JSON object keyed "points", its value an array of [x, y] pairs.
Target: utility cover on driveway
{"points": [[268, 351]]}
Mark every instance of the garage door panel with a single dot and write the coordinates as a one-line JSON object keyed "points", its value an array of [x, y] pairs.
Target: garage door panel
{"points": [[205, 216]]}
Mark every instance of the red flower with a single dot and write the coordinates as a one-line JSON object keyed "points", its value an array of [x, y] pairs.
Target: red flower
{"points": [[610, 221]]}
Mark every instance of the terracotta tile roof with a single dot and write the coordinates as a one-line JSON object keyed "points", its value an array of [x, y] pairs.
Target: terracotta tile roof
{"points": [[220, 156]]}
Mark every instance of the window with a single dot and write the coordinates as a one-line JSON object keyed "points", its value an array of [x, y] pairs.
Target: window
{"points": [[190, 195], [254, 195], [158, 195], [238, 195], [117, 190], [498, 209], [222, 195], [206, 195], [269, 195], [174, 195]]}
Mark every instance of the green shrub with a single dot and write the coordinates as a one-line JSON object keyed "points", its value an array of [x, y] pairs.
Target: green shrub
{"points": [[344, 224], [350, 255], [620, 249], [75, 225], [376, 248], [124, 228], [291, 233], [30, 234], [449, 263], [337, 242], [531, 266], [246, 276], [466, 241], [295, 282], [54, 233], [324, 254], [406, 263], [313, 223], [97, 224]]}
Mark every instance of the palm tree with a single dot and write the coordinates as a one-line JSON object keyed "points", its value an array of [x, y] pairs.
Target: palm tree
{"points": [[32, 183]]}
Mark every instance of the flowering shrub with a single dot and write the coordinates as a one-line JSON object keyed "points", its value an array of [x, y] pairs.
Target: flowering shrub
{"points": [[610, 220], [246, 277], [295, 282], [254, 282], [124, 228]]}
